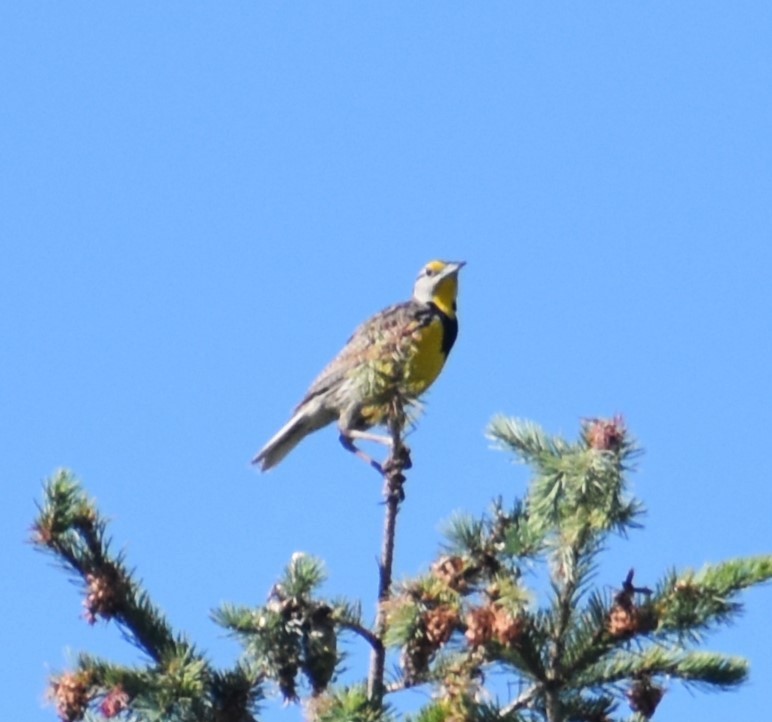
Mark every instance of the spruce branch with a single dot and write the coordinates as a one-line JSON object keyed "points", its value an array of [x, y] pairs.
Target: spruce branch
{"points": [[529, 657], [178, 684], [294, 632], [393, 492], [526, 439], [690, 604], [502, 534], [346, 705], [236, 693], [302, 577], [348, 615], [238, 619], [572, 656], [70, 528], [577, 488], [702, 668], [523, 701], [589, 640], [363, 632]]}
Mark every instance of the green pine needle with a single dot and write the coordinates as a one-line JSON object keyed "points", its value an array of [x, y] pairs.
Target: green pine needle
{"points": [[692, 603], [704, 668]]}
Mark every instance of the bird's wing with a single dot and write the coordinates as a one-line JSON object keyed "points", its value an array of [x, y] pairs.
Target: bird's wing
{"points": [[383, 337]]}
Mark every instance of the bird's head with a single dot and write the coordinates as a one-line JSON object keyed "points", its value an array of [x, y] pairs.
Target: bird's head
{"points": [[437, 283]]}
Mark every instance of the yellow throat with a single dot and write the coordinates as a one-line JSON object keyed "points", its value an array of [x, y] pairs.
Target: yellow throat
{"points": [[437, 283]]}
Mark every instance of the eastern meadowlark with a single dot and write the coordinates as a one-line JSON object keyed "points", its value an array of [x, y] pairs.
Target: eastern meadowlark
{"points": [[395, 355]]}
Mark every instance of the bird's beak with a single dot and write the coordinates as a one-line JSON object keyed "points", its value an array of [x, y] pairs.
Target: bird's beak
{"points": [[453, 267]]}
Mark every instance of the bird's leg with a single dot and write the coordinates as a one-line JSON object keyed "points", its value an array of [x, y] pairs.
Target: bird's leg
{"points": [[347, 443], [367, 436], [402, 455]]}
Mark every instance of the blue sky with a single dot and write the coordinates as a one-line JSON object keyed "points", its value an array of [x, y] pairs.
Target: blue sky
{"points": [[201, 201]]}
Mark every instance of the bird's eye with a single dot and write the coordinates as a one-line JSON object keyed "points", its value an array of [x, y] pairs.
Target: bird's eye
{"points": [[429, 272]]}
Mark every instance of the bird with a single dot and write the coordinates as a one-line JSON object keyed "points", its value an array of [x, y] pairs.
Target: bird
{"points": [[396, 355]]}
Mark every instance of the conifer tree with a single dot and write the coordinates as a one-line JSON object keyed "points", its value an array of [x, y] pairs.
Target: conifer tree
{"points": [[513, 591]]}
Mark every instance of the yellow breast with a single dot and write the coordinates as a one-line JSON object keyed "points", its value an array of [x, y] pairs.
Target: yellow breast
{"points": [[424, 364], [403, 356]]}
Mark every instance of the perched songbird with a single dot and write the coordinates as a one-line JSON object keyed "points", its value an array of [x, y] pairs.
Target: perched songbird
{"points": [[396, 354]]}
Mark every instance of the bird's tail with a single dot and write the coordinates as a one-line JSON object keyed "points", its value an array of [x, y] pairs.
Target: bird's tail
{"points": [[303, 423]]}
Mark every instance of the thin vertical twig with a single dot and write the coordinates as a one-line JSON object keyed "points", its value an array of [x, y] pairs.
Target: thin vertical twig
{"points": [[394, 495]]}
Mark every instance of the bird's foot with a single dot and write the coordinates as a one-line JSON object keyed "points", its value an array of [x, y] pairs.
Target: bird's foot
{"points": [[399, 460]]}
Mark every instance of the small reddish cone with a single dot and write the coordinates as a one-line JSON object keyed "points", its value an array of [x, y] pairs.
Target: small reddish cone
{"points": [[479, 626], [440, 623], [450, 570], [114, 702], [71, 693], [644, 697], [506, 627], [104, 595], [605, 434]]}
